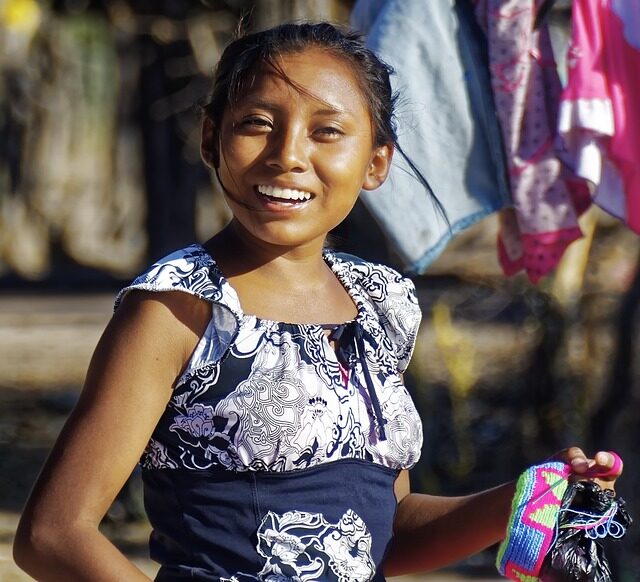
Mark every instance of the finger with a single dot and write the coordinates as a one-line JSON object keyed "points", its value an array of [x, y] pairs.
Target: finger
{"points": [[608, 465], [578, 461], [566, 455]]}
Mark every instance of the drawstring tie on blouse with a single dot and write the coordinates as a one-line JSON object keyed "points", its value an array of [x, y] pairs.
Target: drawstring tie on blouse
{"points": [[351, 334]]}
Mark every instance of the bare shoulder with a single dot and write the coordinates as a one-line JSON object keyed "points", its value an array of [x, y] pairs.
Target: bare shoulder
{"points": [[129, 382], [172, 320], [144, 349], [192, 311]]}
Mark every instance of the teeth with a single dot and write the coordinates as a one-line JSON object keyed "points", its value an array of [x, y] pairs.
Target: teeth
{"points": [[284, 193]]}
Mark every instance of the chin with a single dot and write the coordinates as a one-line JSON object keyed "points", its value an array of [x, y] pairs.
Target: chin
{"points": [[290, 240]]}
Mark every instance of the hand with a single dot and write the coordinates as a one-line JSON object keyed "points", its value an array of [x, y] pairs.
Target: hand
{"points": [[604, 468]]}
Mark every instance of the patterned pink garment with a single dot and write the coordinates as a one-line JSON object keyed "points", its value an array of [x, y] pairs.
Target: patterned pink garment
{"points": [[600, 107], [547, 198]]}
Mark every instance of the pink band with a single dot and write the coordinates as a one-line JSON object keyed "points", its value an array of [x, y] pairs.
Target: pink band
{"points": [[613, 472]]}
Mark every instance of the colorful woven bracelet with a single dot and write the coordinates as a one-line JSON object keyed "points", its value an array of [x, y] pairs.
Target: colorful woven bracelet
{"points": [[532, 524]]}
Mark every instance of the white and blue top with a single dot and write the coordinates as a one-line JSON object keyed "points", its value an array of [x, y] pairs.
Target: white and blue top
{"points": [[276, 455]]}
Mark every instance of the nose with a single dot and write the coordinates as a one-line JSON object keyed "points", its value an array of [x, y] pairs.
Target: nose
{"points": [[288, 150]]}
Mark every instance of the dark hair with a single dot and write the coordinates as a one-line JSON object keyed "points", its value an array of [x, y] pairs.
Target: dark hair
{"points": [[241, 59]]}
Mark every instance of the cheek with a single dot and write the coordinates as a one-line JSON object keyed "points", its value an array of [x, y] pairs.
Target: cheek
{"points": [[350, 168], [239, 153]]}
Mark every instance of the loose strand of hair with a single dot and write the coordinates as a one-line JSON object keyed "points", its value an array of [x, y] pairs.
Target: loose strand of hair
{"points": [[425, 183]]}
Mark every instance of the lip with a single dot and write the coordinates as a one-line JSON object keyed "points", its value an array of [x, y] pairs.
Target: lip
{"points": [[283, 204]]}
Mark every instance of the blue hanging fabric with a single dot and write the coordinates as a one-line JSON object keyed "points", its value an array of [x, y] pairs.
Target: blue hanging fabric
{"points": [[447, 124]]}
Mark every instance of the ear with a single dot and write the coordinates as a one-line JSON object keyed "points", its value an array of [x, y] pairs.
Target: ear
{"points": [[209, 147], [378, 167]]}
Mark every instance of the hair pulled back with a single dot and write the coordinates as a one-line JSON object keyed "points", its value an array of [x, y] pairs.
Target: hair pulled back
{"points": [[242, 58], [240, 61]]}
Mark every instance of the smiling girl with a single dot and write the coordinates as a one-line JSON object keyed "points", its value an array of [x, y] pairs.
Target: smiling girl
{"points": [[258, 377]]}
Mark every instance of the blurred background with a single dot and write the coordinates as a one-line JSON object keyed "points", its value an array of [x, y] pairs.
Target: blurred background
{"points": [[100, 174]]}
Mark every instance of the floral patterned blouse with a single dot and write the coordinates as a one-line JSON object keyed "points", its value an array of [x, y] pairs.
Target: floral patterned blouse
{"points": [[276, 455]]}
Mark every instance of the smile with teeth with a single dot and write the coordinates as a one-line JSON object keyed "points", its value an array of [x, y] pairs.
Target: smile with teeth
{"points": [[284, 193]]}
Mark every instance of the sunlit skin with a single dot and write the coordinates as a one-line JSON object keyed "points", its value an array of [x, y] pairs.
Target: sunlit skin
{"points": [[317, 140], [311, 133]]}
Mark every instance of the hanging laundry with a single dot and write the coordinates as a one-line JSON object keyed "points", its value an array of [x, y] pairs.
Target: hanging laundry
{"points": [[599, 114], [446, 124], [547, 196]]}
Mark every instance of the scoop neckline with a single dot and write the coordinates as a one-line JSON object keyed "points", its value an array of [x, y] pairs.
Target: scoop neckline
{"points": [[330, 260]]}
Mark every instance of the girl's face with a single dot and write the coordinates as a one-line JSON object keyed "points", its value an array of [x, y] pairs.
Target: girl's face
{"points": [[294, 156]]}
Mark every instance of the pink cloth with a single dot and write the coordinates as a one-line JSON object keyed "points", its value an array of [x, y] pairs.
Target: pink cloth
{"points": [[600, 107], [547, 198]]}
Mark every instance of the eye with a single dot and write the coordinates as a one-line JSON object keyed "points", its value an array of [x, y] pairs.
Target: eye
{"points": [[254, 123], [328, 133]]}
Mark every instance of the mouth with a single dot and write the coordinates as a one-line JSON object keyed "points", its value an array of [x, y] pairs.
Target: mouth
{"points": [[289, 196]]}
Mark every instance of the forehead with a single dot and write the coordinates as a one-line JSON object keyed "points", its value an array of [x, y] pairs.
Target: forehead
{"points": [[314, 75]]}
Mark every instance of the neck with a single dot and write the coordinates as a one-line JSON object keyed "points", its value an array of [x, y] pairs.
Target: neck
{"points": [[281, 283], [238, 253]]}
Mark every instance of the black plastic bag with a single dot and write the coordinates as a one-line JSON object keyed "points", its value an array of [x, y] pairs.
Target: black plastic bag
{"points": [[588, 514]]}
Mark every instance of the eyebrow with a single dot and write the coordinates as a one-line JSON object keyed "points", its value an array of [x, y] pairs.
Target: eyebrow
{"points": [[328, 108], [257, 102], [331, 111]]}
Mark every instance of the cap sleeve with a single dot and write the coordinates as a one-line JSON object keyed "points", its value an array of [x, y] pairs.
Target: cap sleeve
{"points": [[189, 270], [397, 305], [192, 270], [394, 299]]}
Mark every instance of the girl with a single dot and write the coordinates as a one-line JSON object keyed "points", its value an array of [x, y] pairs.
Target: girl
{"points": [[259, 375]]}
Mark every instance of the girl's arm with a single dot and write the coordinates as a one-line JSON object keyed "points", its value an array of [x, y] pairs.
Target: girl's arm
{"points": [[130, 378], [431, 532]]}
